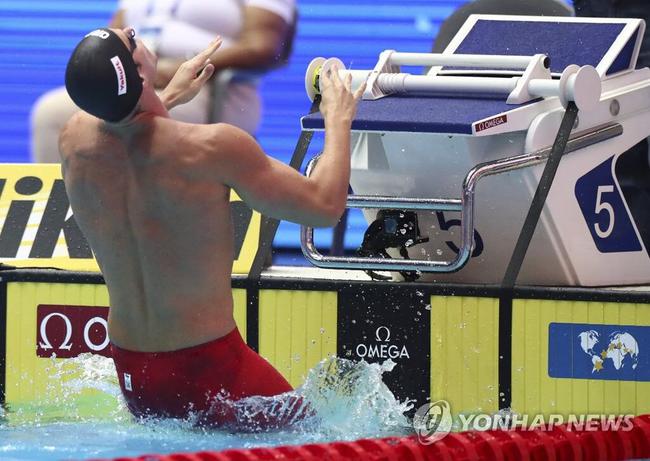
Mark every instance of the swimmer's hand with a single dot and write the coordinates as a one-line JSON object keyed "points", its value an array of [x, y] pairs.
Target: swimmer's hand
{"points": [[190, 77], [338, 103]]}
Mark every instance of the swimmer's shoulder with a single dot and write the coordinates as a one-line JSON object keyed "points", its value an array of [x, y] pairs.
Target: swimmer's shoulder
{"points": [[224, 140], [75, 132], [205, 148]]}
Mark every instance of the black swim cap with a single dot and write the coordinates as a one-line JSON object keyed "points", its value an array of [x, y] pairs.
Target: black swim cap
{"points": [[102, 78]]}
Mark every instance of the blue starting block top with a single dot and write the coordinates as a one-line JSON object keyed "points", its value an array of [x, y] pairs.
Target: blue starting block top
{"points": [[610, 45], [422, 114]]}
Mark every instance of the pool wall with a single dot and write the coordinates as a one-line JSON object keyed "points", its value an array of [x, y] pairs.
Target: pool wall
{"points": [[480, 348]]}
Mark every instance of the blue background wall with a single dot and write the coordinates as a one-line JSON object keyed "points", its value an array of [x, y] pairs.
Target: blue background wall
{"points": [[36, 38]]}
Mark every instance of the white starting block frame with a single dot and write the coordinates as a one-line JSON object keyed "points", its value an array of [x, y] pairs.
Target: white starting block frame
{"points": [[578, 84], [586, 234]]}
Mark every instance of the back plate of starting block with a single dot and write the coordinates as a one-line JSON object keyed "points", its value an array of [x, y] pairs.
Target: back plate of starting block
{"points": [[609, 45]]}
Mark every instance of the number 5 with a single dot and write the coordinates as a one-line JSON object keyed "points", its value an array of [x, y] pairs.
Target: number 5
{"points": [[446, 225], [604, 206]]}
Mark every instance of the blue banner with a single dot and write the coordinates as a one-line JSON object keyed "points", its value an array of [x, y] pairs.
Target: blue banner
{"points": [[606, 352]]}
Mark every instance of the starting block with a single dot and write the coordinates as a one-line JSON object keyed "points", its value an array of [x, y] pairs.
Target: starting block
{"points": [[458, 152]]}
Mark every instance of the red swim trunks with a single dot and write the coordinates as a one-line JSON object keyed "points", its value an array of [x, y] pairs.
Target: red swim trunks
{"points": [[206, 383]]}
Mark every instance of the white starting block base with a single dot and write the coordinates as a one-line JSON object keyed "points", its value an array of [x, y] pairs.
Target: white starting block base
{"points": [[563, 250], [422, 144]]}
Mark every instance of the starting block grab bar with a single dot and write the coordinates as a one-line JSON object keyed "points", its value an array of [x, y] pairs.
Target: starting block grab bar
{"points": [[465, 206], [474, 60], [579, 84]]}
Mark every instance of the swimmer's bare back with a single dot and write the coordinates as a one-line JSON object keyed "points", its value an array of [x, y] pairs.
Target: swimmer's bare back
{"points": [[152, 198]]}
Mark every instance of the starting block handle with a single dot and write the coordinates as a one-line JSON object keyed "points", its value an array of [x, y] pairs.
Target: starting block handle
{"points": [[382, 202], [579, 84], [464, 60], [381, 264]]}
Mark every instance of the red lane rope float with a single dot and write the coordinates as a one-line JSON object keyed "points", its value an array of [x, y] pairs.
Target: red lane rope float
{"points": [[558, 443]]}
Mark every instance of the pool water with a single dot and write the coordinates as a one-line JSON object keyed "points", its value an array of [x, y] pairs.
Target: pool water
{"points": [[91, 421]]}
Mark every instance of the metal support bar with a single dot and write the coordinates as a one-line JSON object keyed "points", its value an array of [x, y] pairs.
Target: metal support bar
{"points": [[465, 206], [269, 226], [353, 262]]}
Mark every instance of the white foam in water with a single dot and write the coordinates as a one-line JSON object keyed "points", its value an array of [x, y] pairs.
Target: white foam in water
{"points": [[343, 400], [351, 400], [340, 399]]}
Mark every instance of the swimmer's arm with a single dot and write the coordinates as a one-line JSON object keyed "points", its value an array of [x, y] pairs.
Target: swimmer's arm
{"points": [[190, 77], [277, 190]]}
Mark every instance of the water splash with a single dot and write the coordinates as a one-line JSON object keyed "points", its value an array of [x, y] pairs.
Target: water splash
{"points": [[89, 371], [351, 401], [340, 399], [84, 388]]}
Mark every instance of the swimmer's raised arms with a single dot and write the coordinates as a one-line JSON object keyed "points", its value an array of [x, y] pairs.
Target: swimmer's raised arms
{"points": [[152, 197]]}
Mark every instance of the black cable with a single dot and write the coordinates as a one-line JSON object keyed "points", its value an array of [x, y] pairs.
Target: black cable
{"points": [[519, 253]]}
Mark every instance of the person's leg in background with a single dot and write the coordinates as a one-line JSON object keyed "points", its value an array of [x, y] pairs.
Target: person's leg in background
{"points": [[50, 113], [195, 111], [236, 104], [241, 106]]}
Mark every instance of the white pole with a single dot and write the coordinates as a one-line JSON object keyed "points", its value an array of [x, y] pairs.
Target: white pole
{"points": [[358, 76], [465, 60], [544, 88], [582, 86], [406, 83]]}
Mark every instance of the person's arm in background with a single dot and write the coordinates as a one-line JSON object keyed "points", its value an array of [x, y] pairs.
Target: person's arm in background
{"points": [[277, 190], [117, 21], [259, 46]]}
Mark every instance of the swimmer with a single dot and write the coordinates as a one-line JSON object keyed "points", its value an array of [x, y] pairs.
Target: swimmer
{"points": [[151, 195]]}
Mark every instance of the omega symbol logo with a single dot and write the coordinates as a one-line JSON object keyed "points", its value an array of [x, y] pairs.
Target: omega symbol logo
{"points": [[380, 349], [382, 331], [68, 331]]}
